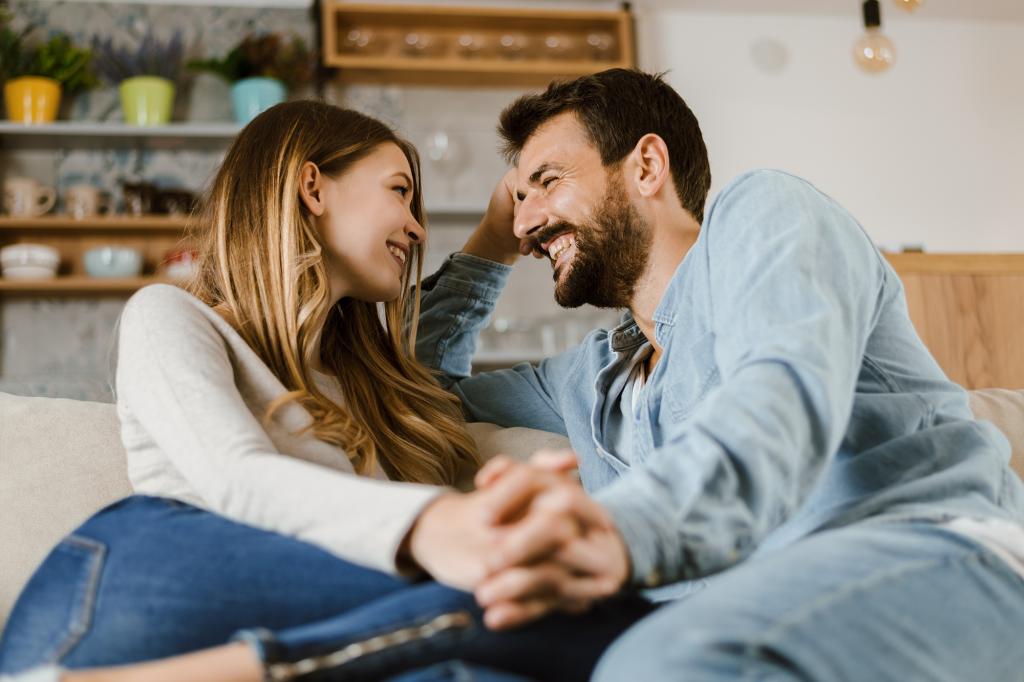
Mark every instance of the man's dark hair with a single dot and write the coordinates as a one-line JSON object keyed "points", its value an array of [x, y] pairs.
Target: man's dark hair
{"points": [[617, 107]]}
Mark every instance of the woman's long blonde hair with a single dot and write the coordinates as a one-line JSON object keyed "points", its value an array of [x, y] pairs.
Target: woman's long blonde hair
{"points": [[261, 263]]}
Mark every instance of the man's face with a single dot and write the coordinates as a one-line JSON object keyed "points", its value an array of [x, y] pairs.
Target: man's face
{"points": [[578, 214]]}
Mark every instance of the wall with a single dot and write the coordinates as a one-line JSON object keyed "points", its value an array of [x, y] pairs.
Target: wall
{"points": [[928, 153]]}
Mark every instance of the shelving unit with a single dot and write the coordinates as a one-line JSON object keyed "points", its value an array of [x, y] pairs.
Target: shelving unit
{"points": [[98, 134], [387, 56], [153, 235], [62, 223], [77, 285]]}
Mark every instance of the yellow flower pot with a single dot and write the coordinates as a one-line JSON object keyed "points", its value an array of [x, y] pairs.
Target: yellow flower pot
{"points": [[31, 99], [147, 100]]}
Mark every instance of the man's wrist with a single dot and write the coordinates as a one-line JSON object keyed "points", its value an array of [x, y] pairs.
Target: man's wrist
{"points": [[482, 245]]}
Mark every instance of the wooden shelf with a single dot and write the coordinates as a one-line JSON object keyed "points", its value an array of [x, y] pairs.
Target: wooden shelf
{"points": [[76, 285], [214, 135], [163, 223], [385, 59]]}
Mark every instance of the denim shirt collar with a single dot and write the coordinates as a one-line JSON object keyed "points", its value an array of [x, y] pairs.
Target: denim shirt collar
{"points": [[627, 335]]}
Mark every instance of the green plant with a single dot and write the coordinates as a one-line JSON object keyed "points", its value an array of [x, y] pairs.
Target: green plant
{"points": [[152, 58], [57, 58], [267, 55]]}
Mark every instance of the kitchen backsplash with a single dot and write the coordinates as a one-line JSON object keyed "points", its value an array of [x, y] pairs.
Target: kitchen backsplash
{"points": [[64, 347]]}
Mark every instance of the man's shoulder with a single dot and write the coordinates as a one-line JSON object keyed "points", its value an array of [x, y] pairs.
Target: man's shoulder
{"points": [[765, 182], [766, 206]]}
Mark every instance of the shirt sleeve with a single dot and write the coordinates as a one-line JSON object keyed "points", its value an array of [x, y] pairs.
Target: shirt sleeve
{"points": [[795, 286], [456, 305], [176, 379]]}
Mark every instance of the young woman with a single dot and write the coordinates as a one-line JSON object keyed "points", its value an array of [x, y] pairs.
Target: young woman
{"points": [[282, 442]]}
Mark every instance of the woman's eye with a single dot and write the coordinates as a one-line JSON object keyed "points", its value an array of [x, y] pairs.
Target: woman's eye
{"points": [[547, 181], [402, 190]]}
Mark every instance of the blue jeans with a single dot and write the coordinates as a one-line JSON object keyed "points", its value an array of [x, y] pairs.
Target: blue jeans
{"points": [[885, 602], [149, 577]]}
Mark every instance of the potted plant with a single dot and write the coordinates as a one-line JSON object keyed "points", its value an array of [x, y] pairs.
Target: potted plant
{"points": [[145, 77], [36, 74], [261, 69]]}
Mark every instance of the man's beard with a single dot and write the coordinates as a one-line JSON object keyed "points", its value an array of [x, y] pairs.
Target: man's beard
{"points": [[611, 255]]}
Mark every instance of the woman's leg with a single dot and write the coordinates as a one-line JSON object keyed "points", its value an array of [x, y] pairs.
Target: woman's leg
{"points": [[148, 578]]}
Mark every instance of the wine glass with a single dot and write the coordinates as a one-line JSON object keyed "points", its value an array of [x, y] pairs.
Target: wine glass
{"points": [[602, 45], [444, 153]]}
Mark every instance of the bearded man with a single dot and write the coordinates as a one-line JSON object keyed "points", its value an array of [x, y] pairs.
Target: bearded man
{"points": [[764, 419]]}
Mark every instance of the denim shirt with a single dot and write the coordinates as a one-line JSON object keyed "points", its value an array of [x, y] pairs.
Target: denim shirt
{"points": [[793, 393]]}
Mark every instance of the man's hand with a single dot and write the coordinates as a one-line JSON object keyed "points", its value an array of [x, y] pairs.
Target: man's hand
{"points": [[561, 551], [493, 238]]}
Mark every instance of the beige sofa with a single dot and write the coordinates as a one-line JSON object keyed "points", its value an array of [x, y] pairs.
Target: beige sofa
{"points": [[61, 460]]}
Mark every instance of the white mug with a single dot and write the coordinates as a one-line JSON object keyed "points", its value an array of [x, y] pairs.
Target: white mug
{"points": [[84, 201], [26, 197]]}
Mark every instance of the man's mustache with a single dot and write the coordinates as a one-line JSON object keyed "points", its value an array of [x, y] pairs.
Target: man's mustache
{"points": [[548, 233]]}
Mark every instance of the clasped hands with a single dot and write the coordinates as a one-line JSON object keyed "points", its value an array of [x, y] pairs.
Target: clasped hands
{"points": [[527, 541]]}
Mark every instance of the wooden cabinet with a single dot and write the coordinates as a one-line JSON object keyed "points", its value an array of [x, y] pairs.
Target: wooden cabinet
{"points": [[472, 45], [969, 311]]}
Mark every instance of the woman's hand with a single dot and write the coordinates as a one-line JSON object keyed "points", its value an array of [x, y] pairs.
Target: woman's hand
{"points": [[493, 239], [451, 541], [456, 536]]}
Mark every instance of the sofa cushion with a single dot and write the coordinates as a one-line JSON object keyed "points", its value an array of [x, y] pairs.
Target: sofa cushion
{"points": [[1005, 409], [62, 460]]}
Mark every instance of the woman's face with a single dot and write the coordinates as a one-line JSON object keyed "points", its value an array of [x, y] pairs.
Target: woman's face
{"points": [[366, 222]]}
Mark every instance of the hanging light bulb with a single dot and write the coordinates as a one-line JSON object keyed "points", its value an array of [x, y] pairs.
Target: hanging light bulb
{"points": [[874, 52], [908, 5]]}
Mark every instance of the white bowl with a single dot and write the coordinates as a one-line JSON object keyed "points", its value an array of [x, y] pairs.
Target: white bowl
{"points": [[29, 272], [38, 255]]}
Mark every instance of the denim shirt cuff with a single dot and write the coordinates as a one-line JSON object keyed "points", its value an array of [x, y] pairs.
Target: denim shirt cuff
{"points": [[472, 276], [640, 532]]}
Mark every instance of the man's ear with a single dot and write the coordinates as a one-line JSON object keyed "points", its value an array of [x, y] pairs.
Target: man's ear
{"points": [[650, 165], [311, 188]]}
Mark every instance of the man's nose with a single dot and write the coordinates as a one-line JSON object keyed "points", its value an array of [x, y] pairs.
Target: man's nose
{"points": [[529, 218]]}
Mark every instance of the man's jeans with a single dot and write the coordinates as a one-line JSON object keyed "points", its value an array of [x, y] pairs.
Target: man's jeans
{"points": [[149, 577], [878, 602]]}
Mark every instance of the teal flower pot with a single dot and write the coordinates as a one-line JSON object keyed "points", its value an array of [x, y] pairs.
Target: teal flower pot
{"points": [[250, 96]]}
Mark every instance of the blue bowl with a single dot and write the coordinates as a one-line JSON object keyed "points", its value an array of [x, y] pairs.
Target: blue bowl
{"points": [[113, 261]]}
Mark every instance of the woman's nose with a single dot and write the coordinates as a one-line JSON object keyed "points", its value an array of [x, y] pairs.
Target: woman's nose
{"points": [[416, 233]]}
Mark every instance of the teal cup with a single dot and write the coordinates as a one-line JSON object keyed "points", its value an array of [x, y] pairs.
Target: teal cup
{"points": [[250, 96]]}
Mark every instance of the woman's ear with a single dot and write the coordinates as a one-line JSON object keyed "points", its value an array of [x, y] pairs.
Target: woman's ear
{"points": [[311, 188]]}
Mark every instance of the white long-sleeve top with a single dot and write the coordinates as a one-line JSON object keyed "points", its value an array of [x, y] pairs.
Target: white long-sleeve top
{"points": [[191, 395]]}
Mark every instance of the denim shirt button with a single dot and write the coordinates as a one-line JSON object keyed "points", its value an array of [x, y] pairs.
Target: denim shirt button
{"points": [[653, 578]]}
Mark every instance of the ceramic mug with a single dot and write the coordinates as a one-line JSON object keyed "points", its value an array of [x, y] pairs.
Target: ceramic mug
{"points": [[174, 201], [139, 197], [84, 201], [26, 197]]}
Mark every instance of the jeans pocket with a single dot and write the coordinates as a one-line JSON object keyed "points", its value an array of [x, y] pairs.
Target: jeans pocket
{"points": [[55, 610]]}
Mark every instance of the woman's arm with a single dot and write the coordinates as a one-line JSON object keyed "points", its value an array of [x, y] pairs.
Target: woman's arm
{"points": [[175, 377]]}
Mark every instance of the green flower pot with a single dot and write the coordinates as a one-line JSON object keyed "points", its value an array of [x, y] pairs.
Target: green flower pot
{"points": [[147, 100]]}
